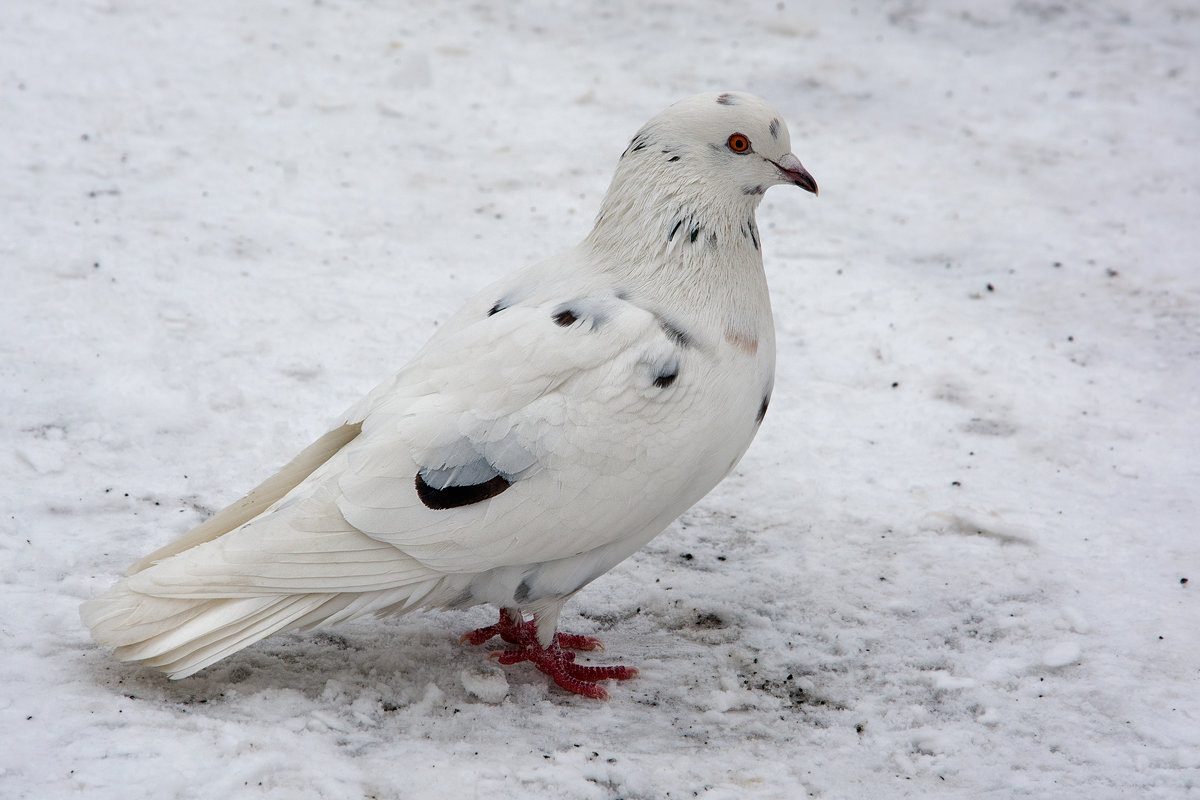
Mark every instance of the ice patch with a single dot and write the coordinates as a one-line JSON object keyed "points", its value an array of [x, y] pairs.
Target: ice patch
{"points": [[490, 687], [1076, 620], [930, 741], [944, 680], [1061, 654]]}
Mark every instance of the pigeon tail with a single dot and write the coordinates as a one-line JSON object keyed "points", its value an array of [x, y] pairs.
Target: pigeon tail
{"points": [[182, 635]]}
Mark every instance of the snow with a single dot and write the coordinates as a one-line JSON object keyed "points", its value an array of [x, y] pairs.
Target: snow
{"points": [[953, 564]]}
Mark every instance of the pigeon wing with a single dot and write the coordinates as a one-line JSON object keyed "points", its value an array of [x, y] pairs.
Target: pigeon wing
{"points": [[535, 433]]}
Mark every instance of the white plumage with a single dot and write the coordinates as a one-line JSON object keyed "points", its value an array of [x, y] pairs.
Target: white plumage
{"points": [[562, 419]]}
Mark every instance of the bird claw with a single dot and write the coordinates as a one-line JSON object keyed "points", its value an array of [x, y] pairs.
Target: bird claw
{"points": [[574, 641], [479, 635], [557, 660]]}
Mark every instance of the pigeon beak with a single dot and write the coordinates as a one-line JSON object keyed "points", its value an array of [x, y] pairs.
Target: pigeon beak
{"points": [[794, 172]]}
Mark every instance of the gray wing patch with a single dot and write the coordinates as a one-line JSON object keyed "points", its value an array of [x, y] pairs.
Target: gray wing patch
{"points": [[477, 472], [471, 470]]}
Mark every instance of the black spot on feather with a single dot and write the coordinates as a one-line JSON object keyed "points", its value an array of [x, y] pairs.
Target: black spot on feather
{"points": [[664, 379], [508, 299], [752, 190], [679, 335], [524, 590], [673, 158], [762, 409], [674, 230], [594, 312], [727, 99], [750, 230], [638, 142], [458, 496], [774, 128], [695, 233]]}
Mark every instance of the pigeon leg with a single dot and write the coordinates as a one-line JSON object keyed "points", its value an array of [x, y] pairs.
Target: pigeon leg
{"points": [[557, 660]]}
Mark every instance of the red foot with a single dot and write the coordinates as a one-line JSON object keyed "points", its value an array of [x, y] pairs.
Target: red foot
{"points": [[557, 660]]}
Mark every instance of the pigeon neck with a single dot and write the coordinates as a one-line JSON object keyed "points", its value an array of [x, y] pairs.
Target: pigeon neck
{"points": [[684, 250]]}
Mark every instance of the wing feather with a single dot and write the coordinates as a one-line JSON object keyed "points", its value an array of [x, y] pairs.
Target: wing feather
{"points": [[259, 498], [554, 405], [527, 428]]}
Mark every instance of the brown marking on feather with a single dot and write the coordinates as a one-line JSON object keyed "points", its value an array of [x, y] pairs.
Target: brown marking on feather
{"points": [[747, 343]]}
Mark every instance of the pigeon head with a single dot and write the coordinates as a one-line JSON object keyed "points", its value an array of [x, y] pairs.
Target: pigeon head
{"points": [[733, 143], [706, 160]]}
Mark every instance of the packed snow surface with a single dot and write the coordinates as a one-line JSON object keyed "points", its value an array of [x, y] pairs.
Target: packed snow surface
{"points": [[955, 562]]}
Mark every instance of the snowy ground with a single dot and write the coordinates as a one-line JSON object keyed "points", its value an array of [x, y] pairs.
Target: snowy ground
{"points": [[952, 564]]}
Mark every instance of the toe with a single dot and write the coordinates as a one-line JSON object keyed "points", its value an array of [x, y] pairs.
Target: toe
{"points": [[573, 641]]}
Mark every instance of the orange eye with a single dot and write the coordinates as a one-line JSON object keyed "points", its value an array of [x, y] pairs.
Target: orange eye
{"points": [[738, 143]]}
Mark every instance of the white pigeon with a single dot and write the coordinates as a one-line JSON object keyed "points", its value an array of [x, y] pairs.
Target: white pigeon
{"points": [[550, 429]]}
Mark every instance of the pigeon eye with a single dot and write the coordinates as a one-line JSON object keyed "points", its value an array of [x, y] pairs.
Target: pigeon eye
{"points": [[738, 143]]}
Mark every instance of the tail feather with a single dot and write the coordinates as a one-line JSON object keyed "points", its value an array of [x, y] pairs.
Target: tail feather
{"points": [[178, 635], [195, 654], [182, 636], [239, 578], [116, 618]]}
